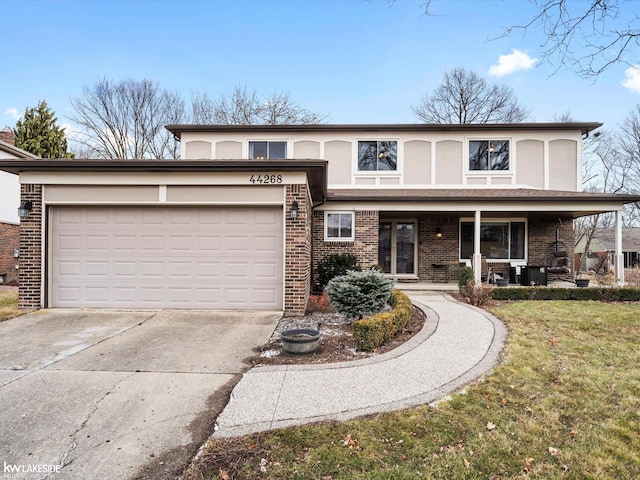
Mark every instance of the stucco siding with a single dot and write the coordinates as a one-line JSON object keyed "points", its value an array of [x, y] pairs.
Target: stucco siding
{"points": [[338, 153], [306, 149], [448, 162], [563, 165], [100, 193], [225, 195], [530, 163], [417, 162], [228, 150], [197, 149]]}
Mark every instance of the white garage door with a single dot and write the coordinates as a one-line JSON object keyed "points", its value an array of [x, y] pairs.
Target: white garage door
{"points": [[166, 257]]}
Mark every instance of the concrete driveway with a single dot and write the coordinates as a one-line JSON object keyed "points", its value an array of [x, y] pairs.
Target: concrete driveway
{"points": [[117, 394]]}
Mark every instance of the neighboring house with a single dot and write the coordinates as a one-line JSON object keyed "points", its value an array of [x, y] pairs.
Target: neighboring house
{"points": [[240, 220], [603, 245], [9, 202]]}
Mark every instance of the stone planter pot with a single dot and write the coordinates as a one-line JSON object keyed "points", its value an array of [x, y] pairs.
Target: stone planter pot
{"points": [[300, 341], [582, 282], [502, 282]]}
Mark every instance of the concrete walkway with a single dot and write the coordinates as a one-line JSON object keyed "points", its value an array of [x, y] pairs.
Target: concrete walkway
{"points": [[458, 344]]}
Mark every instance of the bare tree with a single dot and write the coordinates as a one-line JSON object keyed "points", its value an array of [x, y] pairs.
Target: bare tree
{"points": [[126, 119], [589, 36], [628, 141], [244, 107], [466, 97]]}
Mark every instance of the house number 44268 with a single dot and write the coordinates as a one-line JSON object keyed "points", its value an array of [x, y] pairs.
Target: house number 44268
{"points": [[265, 179]]}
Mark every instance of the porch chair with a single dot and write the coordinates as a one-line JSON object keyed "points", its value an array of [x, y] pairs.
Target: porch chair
{"points": [[560, 265]]}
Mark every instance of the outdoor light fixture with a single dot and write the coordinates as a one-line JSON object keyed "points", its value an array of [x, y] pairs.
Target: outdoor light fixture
{"points": [[438, 232], [294, 210], [24, 209]]}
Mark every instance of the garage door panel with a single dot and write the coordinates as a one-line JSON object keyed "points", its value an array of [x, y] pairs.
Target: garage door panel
{"points": [[156, 257]]}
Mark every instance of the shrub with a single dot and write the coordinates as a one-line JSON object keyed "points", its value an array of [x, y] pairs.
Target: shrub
{"points": [[373, 332], [549, 293], [632, 276], [466, 274], [320, 303], [335, 265], [357, 294], [477, 294]]}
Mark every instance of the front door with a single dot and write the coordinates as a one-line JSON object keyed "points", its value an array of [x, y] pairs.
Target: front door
{"points": [[397, 247]]}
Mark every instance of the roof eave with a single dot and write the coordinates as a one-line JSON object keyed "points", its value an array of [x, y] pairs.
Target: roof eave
{"points": [[583, 127]]}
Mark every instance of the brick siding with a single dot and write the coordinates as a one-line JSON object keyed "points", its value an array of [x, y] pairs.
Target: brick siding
{"points": [[9, 241], [440, 251], [297, 267], [364, 246], [30, 273]]}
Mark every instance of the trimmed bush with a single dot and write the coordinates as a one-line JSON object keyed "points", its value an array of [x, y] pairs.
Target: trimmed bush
{"points": [[466, 275], [550, 293], [335, 265], [373, 332], [358, 294], [477, 294]]}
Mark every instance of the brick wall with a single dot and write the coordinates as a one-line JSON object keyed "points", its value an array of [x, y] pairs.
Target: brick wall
{"points": [[365, 245], [30, 274], [433, 250], [297, 268], [9, 241], [542, 232]]}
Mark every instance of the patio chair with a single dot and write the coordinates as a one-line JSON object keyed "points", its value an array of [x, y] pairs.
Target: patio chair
{"points": [[560, 265]]}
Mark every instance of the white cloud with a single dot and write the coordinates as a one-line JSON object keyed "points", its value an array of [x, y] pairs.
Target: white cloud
{"points": [[508, 64], [632, 81], [13, 113]]}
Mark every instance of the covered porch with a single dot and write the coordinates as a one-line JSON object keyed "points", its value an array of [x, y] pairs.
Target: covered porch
{"points": [[426, 235]]}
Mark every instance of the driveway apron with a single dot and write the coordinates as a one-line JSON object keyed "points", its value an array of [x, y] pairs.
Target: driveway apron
{"points": [[100, 393]]}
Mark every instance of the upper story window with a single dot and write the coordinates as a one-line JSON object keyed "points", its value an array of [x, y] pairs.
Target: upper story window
{"points": [[377, 155], [270, 150], [487, 155]]}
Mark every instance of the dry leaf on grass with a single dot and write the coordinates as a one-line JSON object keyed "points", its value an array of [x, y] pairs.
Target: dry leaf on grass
{"points": [[491, 426], [349, 442]]}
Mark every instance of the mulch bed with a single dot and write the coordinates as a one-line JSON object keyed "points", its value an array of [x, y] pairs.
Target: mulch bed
{"points": [[336, 344]]}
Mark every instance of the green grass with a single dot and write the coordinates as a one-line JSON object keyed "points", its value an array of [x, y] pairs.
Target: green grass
{"points": [[565, 403], [8, 304]]}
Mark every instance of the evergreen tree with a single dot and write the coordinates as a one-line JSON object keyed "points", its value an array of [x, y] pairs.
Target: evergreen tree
{"points": [[37, 132]]}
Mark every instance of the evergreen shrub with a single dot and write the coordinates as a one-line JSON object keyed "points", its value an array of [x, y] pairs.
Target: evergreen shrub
{"points": [[373, 332], [358, 294], [465, 275], [549, 293], [335, 265]]}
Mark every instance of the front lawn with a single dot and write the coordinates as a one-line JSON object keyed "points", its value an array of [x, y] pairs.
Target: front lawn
{"points": [[8, 304], [562, 404]]}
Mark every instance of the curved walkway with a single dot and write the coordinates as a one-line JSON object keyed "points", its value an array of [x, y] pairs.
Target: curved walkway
{"points": [[459, 344]]}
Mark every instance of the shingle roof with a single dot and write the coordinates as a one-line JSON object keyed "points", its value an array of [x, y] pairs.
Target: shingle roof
{"points": [[472, 194]]}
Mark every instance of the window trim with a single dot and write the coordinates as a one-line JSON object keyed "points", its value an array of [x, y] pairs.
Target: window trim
{"points": [[490, 220], [327, 238], [356, 157], [286, 141], [467, 151]]}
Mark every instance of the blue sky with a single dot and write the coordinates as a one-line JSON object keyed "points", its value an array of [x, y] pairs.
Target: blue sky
{"points": [[357, 61]]}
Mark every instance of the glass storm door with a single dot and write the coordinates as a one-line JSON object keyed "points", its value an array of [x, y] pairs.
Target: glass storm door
{"points": [[396, 247]]}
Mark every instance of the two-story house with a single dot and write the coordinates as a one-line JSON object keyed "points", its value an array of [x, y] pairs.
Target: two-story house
{"points": [[242, 217]]}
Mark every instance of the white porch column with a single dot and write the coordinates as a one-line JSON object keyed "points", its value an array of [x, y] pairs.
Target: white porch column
{"points": [[619, 258], [477, 256]]}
